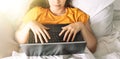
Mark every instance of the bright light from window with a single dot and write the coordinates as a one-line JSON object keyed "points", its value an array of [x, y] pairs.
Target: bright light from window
{"points": [[14, 8], [11, 5]]}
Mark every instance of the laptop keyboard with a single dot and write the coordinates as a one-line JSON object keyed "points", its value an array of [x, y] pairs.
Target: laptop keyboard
{"points": [[54, 31], [53, 48]]}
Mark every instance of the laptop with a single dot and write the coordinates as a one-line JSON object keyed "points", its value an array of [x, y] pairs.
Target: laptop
{"points": [[56, 45]]}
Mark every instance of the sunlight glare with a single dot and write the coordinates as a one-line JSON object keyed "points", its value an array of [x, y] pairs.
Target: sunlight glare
{"points": [[14, 7]]}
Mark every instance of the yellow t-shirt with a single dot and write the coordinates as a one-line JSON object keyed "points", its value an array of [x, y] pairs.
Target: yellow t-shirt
{"points": [[45, 16]]}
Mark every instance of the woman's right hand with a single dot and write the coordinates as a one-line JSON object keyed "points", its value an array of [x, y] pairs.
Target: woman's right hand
{"points": [[39, 31]]}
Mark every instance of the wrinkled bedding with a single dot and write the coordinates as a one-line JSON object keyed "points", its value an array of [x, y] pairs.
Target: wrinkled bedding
{"points": [[109, 46], [86, 55]]}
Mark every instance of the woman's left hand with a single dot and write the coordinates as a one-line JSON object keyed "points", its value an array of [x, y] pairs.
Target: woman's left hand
{"points": [[71, 30]]}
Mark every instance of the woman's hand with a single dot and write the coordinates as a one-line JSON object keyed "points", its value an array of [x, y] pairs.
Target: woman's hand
{"points": [[39, 31], [71, 30]]}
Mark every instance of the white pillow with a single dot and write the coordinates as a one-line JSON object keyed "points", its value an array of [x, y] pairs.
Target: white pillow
{"points": [[91, 7], [101, 23], [7, 42], [101, 14]]}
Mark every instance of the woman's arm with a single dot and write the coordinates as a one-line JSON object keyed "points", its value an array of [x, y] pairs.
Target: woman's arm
{"points": [[74, 28], [22, 34], [38, 30], [89, 37]]}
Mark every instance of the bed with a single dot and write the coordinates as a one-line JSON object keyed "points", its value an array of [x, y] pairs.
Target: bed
{"points": [[108, 37]]}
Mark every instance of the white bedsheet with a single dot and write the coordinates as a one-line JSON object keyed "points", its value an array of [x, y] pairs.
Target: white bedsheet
{"points": [[87, 55], [109, 46]]}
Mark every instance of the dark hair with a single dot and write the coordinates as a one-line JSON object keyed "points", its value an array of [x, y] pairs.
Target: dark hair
{"points": [[45, 3], [68, 3], [42, 3]]}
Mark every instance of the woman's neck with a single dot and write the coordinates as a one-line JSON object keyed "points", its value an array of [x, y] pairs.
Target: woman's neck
{"points": [[58, 11]]}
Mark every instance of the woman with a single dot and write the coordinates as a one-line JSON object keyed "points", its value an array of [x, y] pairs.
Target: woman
{"points": [[57, 13]]}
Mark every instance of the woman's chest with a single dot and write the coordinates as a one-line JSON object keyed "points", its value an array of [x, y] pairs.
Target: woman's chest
{"points": [[51, 19]]}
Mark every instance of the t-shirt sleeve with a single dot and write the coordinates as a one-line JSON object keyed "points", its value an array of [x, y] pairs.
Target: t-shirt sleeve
{"points": [[82, 16], [32, 14]]}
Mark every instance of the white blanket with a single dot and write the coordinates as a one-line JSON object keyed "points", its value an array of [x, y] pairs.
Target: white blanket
{"points": [[86, 55], [109, 46], [16, 55]]}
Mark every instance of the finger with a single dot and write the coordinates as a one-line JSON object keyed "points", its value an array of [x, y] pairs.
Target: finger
{"points": [[62, 32], [40, 38], [66, 33], [46, 27], [47, 33], [69, 36], [73, 36], [65, 27], [35, 35], [43, 34]]}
